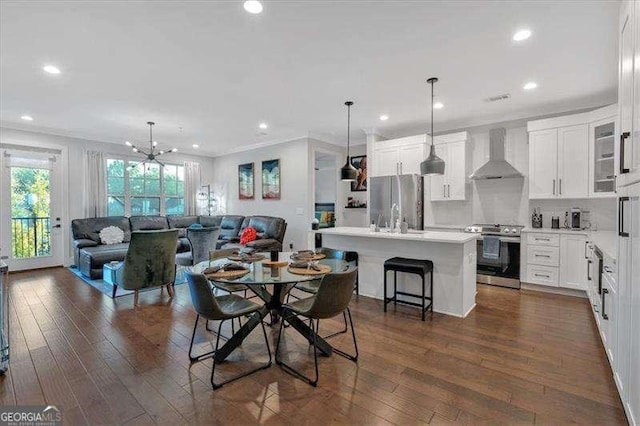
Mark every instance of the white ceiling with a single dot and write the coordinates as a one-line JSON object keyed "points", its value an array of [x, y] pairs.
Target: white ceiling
{"points": [[218, 71]]}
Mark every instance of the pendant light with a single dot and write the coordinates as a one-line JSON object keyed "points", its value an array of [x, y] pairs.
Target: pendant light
{"points": [[348, 173], [433, 165]]}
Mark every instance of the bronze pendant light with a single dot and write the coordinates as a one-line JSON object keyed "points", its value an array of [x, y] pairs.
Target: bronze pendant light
{"points": [[348, 173], [433, 165]]}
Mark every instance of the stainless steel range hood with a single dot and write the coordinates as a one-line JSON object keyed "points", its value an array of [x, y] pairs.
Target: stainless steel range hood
{"points": [[497, 167]]}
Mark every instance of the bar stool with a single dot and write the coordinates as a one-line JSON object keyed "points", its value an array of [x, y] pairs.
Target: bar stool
{"points": [[409, 266]]}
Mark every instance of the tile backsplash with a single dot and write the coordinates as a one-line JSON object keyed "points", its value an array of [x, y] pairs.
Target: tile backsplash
{"points": [[506, 201]]}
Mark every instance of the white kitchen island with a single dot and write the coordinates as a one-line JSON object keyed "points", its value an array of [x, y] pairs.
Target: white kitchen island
{"points": [[453, 255]]}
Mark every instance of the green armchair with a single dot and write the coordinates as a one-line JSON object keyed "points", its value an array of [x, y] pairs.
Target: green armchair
{"points": [[150, 262]]}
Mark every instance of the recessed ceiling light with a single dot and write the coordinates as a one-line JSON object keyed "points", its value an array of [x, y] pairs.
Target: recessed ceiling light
{"points": [[530, 85], [263, 126], [27, 118], [438, 105], [51, 69], [253, 6], [521, 35], [195, 145], [384, 117]]}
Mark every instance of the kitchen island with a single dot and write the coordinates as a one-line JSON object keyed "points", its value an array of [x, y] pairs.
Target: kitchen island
{"points": [[453, 255]]}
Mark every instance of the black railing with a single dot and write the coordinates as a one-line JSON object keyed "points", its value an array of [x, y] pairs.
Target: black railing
{"points": [[31, 236]]}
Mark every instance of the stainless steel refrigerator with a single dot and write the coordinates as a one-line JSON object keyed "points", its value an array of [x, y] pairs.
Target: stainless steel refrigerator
{"points": [[405, 191]]}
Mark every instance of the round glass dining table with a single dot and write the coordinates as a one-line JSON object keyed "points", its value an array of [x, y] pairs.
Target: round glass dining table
{"points": [[271, 284]]}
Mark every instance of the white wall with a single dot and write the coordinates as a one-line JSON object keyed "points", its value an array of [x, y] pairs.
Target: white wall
{"points": [[325, 191], [296, 196], [74, 207]]}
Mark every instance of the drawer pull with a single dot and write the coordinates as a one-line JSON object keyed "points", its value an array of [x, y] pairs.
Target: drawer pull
{"points": [[542, 255], [542, 239], [542, 275]]}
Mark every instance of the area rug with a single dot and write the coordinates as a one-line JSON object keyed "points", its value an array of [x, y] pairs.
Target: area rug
{"points": [[107, 288]]}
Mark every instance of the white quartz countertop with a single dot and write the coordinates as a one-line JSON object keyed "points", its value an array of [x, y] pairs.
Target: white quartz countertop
{"points": [[606, 241], [425, 236]]}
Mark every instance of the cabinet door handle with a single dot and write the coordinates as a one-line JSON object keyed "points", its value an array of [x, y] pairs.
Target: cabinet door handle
{"points": [[401, 167], [554, 187], [589, 262], [621, 231], [448, 191], [560, 186], [444, 191], [586, 244], [605, 291], [623, 136]]}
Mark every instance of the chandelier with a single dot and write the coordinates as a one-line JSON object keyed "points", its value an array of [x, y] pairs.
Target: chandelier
{"points": [[153, 153]]}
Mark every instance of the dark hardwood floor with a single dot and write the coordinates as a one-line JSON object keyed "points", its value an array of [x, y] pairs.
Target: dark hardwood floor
{"points": [[519, 357]]}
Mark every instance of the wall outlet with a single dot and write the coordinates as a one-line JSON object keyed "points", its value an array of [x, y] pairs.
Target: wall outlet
{"points": [[291, 246]]}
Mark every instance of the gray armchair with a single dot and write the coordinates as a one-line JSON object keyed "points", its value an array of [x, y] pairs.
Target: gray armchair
{"points": [[202, 242], [149, 262]]}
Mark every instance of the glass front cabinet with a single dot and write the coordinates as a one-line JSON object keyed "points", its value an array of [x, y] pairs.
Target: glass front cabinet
{"points": [[601, 158]]}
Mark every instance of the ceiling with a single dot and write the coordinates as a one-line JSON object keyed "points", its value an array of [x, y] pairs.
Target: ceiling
{"points": [[217, 71]]}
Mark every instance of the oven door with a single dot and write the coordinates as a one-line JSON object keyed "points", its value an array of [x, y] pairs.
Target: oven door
{"points": [[504, 271]]}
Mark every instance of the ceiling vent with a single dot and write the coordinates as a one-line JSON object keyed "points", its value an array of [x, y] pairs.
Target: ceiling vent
{"points": [[497, 98]]}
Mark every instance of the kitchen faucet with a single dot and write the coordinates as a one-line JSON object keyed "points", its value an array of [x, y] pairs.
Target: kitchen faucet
{"points": [[395, 206]]}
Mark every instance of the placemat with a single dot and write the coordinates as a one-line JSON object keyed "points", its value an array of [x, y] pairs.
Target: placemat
{"points": [[324, 269], [267, 262], [250, 258], [316, 256], [227, 274]]}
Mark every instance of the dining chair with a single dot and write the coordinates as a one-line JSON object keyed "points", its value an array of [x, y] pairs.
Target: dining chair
{"points": [[202, 242], [331, 299], [150, 262], [220, 308], [311, 287]]}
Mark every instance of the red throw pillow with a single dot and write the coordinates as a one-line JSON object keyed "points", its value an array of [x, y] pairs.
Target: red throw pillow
{"points": [[249, 234]]}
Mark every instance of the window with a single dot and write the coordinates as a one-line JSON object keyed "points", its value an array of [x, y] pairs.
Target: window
{"points": [[144, 189], [115, 188]]}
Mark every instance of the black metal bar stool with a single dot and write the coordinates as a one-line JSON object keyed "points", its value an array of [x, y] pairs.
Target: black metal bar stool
{"points": [[409, 266]]}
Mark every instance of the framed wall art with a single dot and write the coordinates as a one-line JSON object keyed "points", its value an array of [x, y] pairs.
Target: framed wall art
{"points": [[246, 181], [271, 180], [360, 163]]}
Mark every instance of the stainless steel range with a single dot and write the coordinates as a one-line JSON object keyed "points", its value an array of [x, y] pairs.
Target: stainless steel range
{"points": [[498, 254]]}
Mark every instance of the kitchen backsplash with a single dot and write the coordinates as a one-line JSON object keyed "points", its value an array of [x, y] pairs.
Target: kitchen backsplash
{"points": [[507, 200]]}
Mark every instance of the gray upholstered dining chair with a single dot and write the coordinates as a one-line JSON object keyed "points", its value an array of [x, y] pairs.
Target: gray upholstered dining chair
{"points": [[150, 262], [220, 308], [331, 299], [311, 287], [202, 242]]}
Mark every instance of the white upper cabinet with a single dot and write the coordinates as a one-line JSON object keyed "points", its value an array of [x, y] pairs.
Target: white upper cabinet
{"points": [[411, 156], [386, 161], [543, 163], [398, 156], [571, 156], [452, 185], [573, 161]]}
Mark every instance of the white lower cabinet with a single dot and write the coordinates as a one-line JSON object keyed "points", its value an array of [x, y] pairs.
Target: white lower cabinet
{"points": [[573, 261], [542, 275], [556, 260]]}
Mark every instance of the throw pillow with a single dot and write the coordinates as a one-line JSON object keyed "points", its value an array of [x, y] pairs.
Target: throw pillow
{"points": [[195, 226], [249, 234], [111, 235]]}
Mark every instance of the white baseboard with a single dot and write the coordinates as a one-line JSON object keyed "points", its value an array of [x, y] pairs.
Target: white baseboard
{"points": [[554, 290]]}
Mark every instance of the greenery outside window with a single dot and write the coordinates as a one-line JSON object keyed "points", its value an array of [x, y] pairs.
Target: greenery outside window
{"points": [[145, 189]]}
